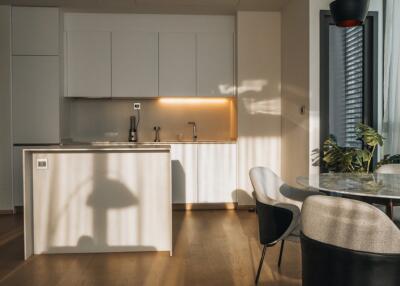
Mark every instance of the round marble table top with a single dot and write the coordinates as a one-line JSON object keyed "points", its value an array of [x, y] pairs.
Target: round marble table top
{"points": [[385, 186]]}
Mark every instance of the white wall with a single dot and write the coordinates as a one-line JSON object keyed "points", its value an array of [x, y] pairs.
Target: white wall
{"points": [[259, 96], [315, 7], [5, 109], [295, 89]]}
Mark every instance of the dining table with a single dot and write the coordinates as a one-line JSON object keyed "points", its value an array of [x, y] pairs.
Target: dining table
{"points": [[383, 189]]}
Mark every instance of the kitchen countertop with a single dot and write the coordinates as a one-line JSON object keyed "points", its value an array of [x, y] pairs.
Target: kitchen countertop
{"points": [[101, 147], [145, 143]]}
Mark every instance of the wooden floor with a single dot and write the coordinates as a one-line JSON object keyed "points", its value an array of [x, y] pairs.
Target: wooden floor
{"points": [[210, 248]]}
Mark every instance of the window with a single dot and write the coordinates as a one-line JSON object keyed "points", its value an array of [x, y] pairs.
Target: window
{"points": [[348, 79]]}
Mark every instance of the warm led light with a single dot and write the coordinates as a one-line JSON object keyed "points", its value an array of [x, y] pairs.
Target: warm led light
{"points": [[185, 100]]}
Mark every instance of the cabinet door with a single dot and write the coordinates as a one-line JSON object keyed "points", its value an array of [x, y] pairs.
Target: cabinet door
{"points": [[35, 31], [89, 64], [134, 64], [215, 58], [35, 99], [184, 173], [177, 64], [217, 173]]}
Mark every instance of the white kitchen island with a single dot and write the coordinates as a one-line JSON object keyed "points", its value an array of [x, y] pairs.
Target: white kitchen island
{"points": [[81, 199]]}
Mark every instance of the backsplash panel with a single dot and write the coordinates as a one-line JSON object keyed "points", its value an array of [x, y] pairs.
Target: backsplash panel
{"points": [[108, 119]]}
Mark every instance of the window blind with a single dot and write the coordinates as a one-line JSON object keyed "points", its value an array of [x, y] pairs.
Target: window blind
{"points": [[354, 82]]}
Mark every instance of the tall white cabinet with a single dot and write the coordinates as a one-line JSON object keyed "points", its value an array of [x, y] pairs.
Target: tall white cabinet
{"points": [[6, 196], [36, 83], [35, 93], [35, 31]]}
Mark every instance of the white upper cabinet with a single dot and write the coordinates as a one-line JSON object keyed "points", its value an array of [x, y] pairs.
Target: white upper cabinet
{"points": [[138, 56], [217, 166], [88, 64], [215, 61], [35, 31], [177, 64], [134, 64], [35, 99]]}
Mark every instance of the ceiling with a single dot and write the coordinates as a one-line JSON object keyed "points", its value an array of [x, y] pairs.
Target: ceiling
{"points": [[158, 6]]}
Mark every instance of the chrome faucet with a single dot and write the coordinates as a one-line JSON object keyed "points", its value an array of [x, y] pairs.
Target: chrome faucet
{"points": [[194, 130], [157, 133]]}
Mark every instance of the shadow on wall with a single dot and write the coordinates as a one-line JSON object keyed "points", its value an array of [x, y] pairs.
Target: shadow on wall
{"points": [[259, 131]]}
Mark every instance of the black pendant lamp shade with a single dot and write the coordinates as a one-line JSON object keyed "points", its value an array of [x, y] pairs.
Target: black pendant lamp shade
{"points": [[349, 13]]}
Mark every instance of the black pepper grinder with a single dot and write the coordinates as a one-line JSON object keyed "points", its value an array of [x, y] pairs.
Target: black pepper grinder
{"points": [[133, 130]]}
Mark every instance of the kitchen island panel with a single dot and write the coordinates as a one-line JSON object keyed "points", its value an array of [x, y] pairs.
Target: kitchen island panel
{"points": [[101, 201]]}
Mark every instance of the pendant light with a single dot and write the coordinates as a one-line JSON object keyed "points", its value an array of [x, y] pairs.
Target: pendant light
{"points": [[349, 13]]}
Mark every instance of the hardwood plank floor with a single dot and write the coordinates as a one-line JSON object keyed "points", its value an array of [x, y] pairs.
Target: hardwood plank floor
{"points": [[210, 248], [11, 226]]}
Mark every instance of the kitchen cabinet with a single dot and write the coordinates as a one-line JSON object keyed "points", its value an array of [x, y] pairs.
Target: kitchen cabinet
{"points": [[35, 99], [177, 64], [184, 173], [203, 173], [215, 61], [134, 64], [217, 173], [5, 110], [88, 64], [35, 31]]}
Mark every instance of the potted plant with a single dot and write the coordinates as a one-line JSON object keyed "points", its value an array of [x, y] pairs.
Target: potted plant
{"points": [[338, 159]]}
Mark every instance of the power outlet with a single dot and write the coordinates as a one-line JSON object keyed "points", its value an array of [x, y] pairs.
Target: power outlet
{"points": [[41, 164], [136, 106]]}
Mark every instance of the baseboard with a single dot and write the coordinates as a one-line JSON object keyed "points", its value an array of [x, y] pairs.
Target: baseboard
{"points": [[246, 207], [16, 210], [205, 206]]}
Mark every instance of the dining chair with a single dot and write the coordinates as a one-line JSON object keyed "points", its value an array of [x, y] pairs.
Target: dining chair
{"points": [[389, 169], [278, 209], [349, 243], [393, 169]]}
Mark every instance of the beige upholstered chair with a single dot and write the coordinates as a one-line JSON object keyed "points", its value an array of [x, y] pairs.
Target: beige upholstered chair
{"points": [[391, 169], [348, 243]]}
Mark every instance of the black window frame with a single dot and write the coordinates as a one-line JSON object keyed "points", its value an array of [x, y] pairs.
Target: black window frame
{"points": [[370, 114]]}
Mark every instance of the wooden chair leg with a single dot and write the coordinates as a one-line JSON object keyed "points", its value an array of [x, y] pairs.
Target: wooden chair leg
{"points": [[260, 265], [280, 253]]}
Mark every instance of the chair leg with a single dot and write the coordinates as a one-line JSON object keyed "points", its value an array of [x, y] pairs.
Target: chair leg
{"points": [[261, 263], [280, 253]]}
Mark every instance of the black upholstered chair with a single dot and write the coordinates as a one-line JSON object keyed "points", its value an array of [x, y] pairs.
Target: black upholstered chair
{"points": [[348, 243], [278, 209], [275, 224]]}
